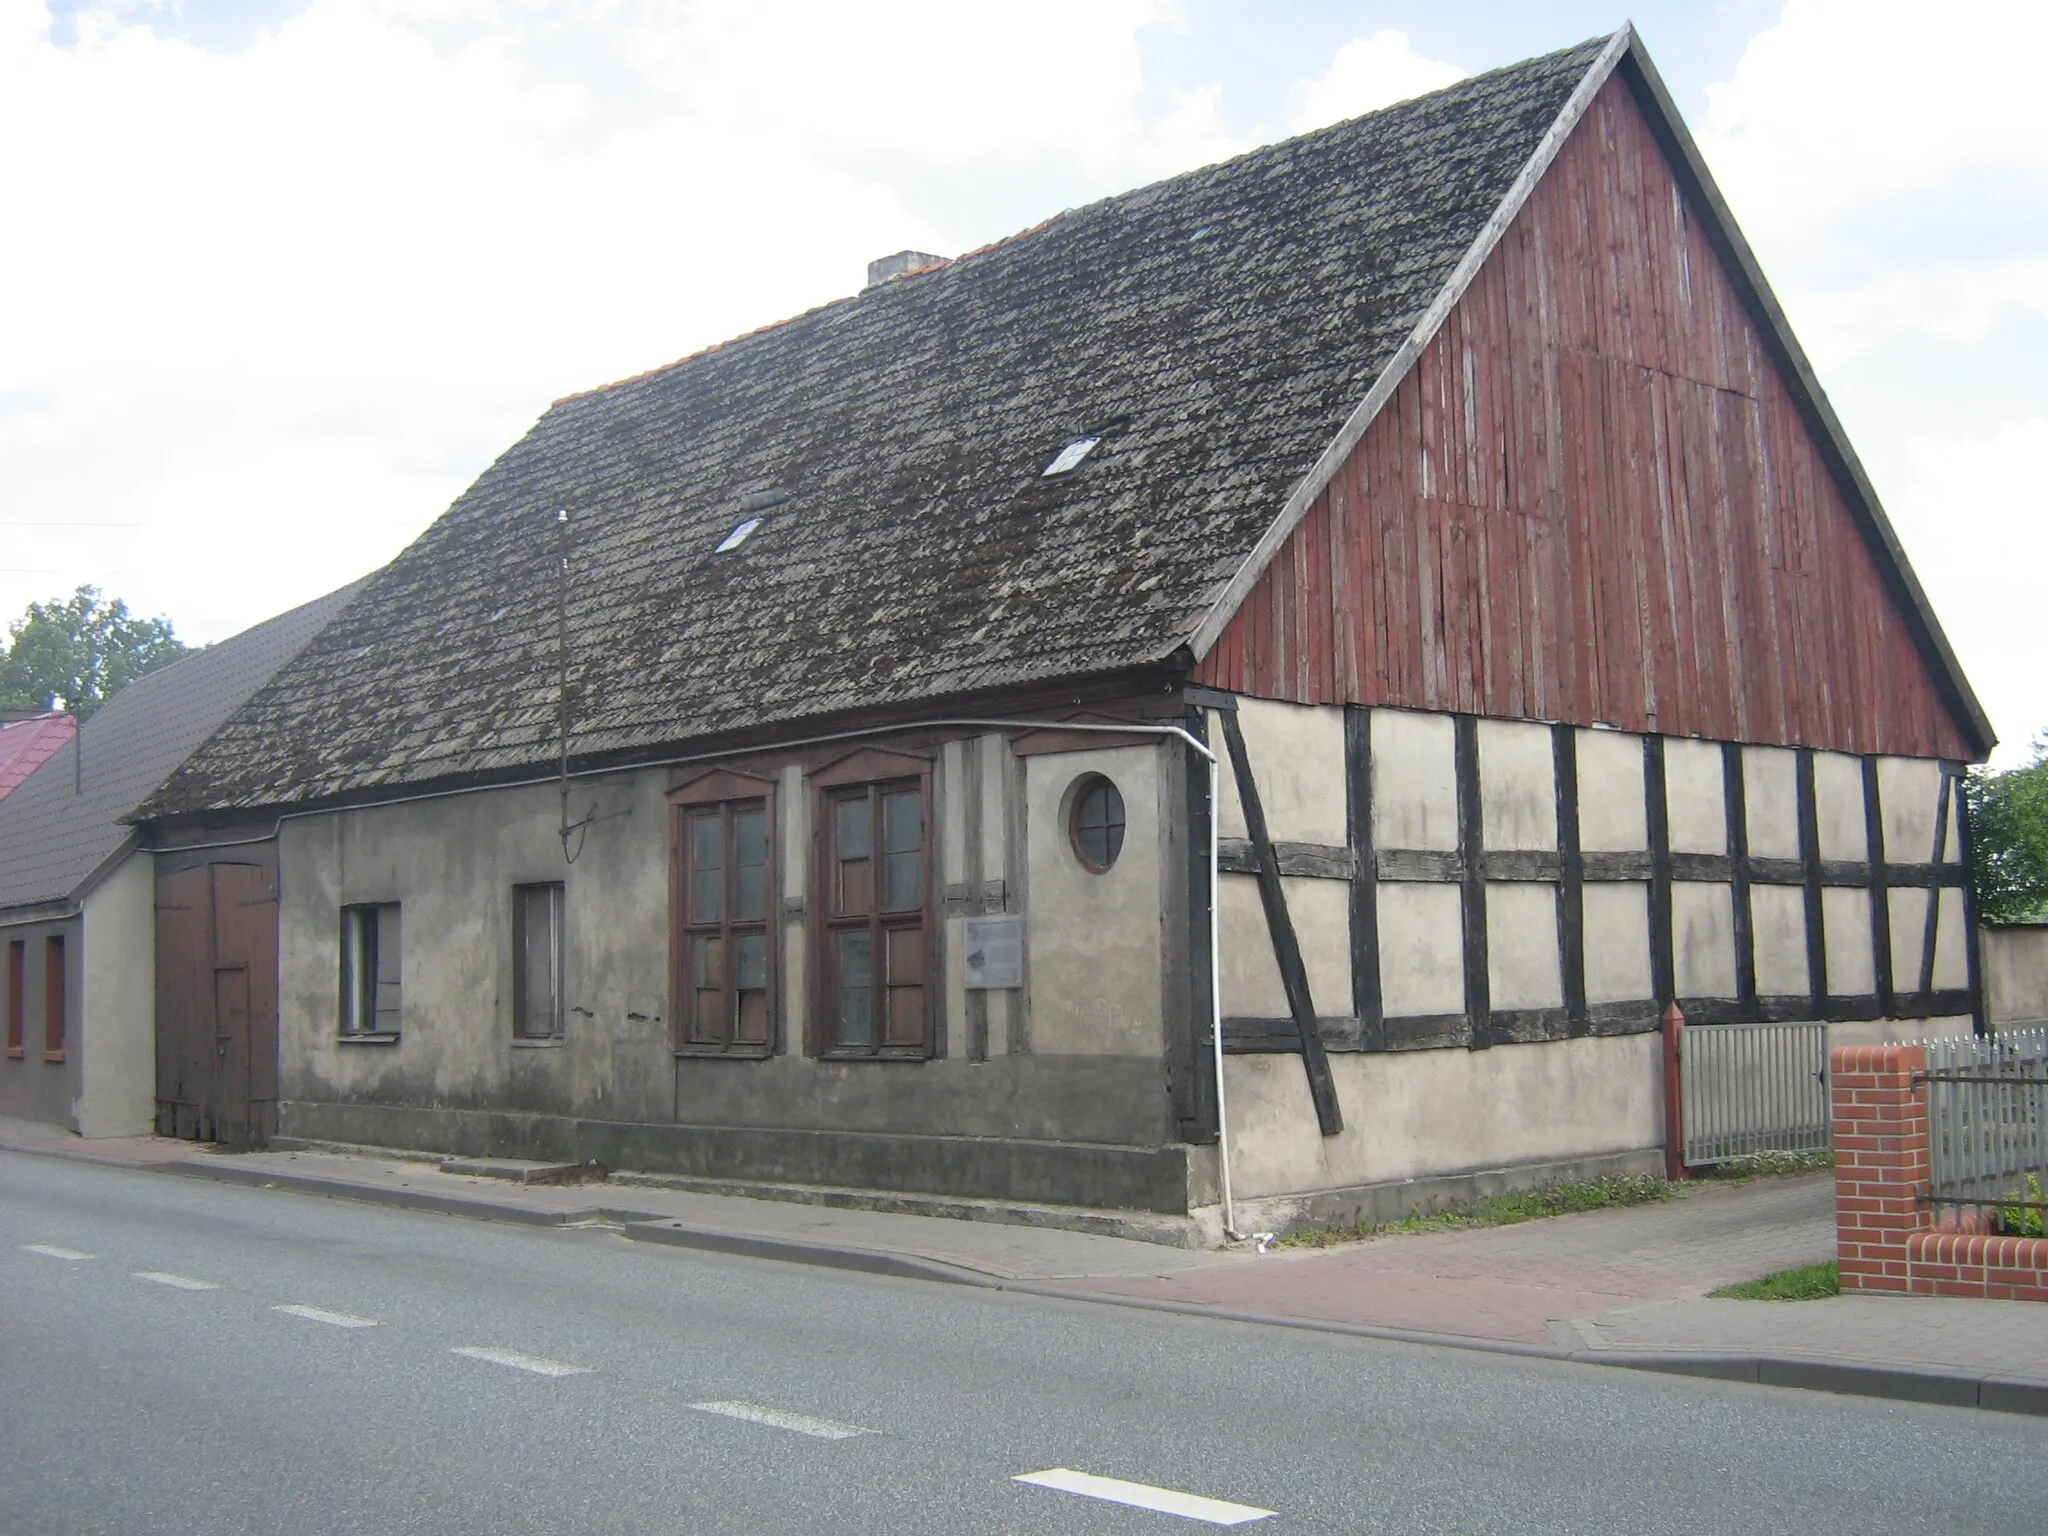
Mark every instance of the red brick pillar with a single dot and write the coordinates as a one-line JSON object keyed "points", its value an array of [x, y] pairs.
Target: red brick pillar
{"points": [[1880, 1126]]}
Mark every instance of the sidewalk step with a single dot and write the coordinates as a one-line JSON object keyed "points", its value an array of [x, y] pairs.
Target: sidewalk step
{"points": [[1134, 1226], [520, 1171]]}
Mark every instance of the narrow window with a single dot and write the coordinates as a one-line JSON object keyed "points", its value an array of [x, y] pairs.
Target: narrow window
{"points": [[53, 998], [722, 865], [370, 970], [1096, 823], [17, 995], [876, 998], [537, 1008]]}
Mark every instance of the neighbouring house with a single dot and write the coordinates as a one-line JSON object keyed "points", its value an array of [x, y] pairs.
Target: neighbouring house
{"points": [[79, 904], [27, 737], [788, 766]]}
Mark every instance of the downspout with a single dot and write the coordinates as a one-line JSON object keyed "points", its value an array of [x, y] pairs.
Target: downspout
{"points": [[1215, 832]]}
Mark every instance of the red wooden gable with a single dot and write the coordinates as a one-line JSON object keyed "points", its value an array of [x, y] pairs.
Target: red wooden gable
{"points": [[1594, 500]]}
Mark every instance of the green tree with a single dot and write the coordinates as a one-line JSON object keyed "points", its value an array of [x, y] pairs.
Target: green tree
{"points": [[80, 652], [2009, 839]]}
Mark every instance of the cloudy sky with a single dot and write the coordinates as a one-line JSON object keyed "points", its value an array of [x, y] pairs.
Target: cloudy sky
{"points": [[279, 278]]}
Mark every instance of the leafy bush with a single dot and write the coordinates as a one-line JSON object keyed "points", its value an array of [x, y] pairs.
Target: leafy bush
{"points": [[2021, 1220], [2008, 816]]}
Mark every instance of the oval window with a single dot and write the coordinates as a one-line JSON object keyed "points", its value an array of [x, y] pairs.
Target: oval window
{"points": [[1096, 823]]}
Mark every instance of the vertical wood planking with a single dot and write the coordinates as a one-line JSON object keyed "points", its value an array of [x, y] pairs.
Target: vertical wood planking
{"points": [[1592, 499]]}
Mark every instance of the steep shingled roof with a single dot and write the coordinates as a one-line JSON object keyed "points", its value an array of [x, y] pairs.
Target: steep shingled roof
{"points": [[65, 821], [1215, 331], [24, 744]]}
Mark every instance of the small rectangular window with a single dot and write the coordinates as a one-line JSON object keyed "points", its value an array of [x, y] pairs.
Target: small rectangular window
{"points": [[17, 994], [370, 969], [53, 998], [537, 1010]]}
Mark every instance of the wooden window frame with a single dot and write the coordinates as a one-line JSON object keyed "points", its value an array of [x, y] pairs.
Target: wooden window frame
{"points": [[350, 1021], [17, 998], [1085, 786], [720, 792], [54, 989], [557, 1023], [874, 771]]}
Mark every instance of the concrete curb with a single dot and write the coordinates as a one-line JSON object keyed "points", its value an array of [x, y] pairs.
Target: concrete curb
{"points": [[1956, 1389]]}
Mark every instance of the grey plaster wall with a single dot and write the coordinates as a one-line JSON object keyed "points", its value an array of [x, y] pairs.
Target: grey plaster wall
{"points": [[1770, 778], [1521, 945], [1838, 807], [1617, 921], [115, 1040], [30, 1087], [1297, 756], [1611, 813], [1696, 797], [1418, 1113], [1778, 923], [1518, 785], [1414, 780], [2016, 973]]}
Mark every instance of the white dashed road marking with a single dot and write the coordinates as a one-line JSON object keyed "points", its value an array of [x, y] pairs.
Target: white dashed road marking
{"points": [[775, 1418], [177, 1282], [322, 1315], [1167, 1501], [519, 1362], [50, 1252]]}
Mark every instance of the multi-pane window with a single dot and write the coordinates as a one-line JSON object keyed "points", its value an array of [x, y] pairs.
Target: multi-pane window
{"points": [[369, 969], [537, 1008], [1097, 824], [53, 998], [875, 997], [723, 961], [17, 994]]}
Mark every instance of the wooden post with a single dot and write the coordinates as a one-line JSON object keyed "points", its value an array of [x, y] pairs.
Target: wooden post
{"points": [[1674, 1103]]}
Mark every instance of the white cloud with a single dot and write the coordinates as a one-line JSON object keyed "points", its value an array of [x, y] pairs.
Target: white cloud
{"points": [[1368, 73], [1891, 170], [279, 306]]}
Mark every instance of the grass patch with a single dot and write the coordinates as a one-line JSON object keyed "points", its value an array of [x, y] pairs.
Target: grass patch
{"points": [[1766, 1165], [1809, 1282], [1498, 1210]]}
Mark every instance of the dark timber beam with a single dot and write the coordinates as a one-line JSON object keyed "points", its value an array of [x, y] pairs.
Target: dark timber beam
{"points": [[1280, 925], [1365, 885], [1472, 883]]}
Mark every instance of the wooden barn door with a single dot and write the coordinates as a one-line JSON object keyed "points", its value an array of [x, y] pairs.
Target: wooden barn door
{"points": [[216, 1004]]}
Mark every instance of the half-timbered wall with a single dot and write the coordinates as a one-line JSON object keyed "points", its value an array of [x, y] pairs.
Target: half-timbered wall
{"points": [[1487, 918], [1593, 500]]}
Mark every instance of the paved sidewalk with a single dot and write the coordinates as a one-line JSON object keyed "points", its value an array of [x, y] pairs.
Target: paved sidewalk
{"points": [[1624, 1287]]}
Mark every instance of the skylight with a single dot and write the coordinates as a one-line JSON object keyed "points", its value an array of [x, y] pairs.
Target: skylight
{"points": [[1071, 455], [738, 536]]}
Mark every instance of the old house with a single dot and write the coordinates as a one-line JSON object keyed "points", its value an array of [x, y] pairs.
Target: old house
{"points": [[78, 898], [794, 765], [28, 737]]}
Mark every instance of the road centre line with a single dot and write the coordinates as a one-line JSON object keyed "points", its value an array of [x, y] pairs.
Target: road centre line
{"points": [[177, 1282], [775, 1418], [322, 1315], [1165, 1501], [51, 1251], [519, 1362]]}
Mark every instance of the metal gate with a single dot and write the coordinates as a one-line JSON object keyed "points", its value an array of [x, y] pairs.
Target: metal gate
{"points": [[1749, 1088]]}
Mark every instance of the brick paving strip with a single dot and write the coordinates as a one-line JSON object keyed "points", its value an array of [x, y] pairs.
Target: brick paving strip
{"points": [[1618, 1287]]}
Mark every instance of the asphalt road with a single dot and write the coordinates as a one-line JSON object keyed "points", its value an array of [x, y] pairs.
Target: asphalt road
{"points": [[621, 1388]]}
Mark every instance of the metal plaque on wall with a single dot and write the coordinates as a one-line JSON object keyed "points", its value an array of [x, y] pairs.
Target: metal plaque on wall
{"points": [[995, 953]]}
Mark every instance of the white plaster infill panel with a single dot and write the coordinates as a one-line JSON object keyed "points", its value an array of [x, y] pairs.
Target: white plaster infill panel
{"points": [[1517, 785], [1422, 948], [1616, 930], [1909, 790], [1703, 938], [1611, 818], [1437, 1112], [1838, 806], [1521, 945], [1414, 780], [1777, 920], [1321, 913], [1770, 791], [1251, 976], [1852, 968], [1951, 943], [1297, 759], [1696, 795]]}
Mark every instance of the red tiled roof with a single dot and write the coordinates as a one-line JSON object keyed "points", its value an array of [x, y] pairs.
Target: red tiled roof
{"points": [[25, 743]]}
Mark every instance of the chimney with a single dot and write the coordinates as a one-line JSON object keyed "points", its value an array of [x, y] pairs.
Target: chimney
{"points": [[904, 264]]}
